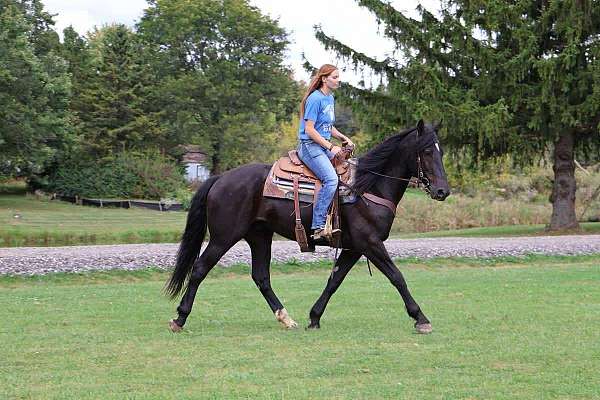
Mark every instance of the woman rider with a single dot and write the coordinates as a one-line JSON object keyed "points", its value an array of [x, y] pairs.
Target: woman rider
{"points": [[317, 116]]}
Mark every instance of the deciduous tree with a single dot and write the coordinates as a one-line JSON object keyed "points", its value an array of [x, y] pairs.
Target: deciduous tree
{"points": [[224, 83], [34, 90]]}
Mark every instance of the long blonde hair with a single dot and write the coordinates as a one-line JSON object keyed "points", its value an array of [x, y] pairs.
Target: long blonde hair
{"points": [[316, 83]]}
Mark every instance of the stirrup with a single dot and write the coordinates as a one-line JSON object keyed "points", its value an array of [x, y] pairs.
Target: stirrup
{"points": [[324, 233], [319, 234]]}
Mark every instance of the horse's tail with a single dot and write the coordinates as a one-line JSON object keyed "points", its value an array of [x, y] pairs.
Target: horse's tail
{"points": [[191, 240]]}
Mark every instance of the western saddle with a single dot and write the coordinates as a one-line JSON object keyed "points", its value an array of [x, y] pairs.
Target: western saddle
{"points": [[290, 179]]}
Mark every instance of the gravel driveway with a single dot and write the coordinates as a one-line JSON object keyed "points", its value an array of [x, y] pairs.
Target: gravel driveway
{"points": [[43, 260]]}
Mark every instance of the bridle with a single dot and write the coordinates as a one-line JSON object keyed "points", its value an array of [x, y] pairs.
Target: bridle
{"points": [[422, 180]]}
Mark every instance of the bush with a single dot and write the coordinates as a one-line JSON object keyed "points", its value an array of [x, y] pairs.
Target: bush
{"points": [[144, 175], [183, 196]]}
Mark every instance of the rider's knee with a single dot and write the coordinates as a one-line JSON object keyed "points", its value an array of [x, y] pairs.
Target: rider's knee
{"points": [[331, 179]]}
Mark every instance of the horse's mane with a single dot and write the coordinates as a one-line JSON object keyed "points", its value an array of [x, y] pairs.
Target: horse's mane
{"points": [[377, 158], [375, 161]]}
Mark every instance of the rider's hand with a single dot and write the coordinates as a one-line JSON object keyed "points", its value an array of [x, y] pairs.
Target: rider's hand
{"points": [[336, 149]]}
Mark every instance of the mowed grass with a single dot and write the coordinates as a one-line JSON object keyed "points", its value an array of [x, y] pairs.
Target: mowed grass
{"points": [[27, 221], [523, 328]]}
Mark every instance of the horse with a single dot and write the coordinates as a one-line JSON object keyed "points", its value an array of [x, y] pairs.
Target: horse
{"points": [[232, 207]]}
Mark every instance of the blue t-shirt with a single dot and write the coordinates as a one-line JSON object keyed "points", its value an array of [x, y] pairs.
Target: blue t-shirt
{"points": [[320, 109]]}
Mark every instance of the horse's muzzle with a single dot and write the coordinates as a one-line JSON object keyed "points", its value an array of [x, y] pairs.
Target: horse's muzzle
{"points": [[440, 194]]}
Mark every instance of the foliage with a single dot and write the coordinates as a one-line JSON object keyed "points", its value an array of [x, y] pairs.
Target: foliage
{"points": [[224, 85], [34, 90], [505, 77], [112, 105], [205, 72], [184, 196], [146, 175]]}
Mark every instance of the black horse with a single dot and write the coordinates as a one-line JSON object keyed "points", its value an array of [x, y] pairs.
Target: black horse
{"points": [[232, 206]]}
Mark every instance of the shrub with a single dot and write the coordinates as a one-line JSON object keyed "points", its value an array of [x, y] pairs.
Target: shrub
{"points": [[147, 175], [183, 196]]}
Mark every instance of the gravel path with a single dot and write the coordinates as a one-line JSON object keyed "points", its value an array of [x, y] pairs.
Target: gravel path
{"points": [[43, 260]]}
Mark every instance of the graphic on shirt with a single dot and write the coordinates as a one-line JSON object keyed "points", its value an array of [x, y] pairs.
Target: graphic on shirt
{"points": [[320, 109], [330, 111]]}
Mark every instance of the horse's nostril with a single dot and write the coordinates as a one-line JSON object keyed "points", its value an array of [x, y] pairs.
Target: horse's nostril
{"points": [[441, 192]]}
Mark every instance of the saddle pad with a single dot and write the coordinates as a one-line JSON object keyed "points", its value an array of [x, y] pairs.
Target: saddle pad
{"points": [[279, 184]]}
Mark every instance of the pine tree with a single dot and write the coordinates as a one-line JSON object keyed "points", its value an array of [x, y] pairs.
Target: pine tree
{"points": [[112, 93], [506, 77]]}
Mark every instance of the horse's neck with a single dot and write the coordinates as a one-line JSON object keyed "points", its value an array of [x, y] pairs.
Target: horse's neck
{"points": [[393, 189]]}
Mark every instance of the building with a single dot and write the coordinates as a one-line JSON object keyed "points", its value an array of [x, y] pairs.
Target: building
{"points": [[194, 160]]}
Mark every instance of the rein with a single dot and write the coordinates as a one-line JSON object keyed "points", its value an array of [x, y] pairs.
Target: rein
{"points": [[421, 178]]}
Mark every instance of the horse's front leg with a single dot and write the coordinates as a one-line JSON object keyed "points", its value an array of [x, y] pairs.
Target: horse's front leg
{"points": [[344, 263], [378, 254]]}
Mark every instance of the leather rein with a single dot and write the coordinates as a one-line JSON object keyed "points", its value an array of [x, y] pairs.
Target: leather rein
{"points": [[421, 180]]}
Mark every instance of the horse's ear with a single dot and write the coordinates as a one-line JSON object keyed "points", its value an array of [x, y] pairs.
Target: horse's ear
{"points": [[420, 127], [438, 126]]}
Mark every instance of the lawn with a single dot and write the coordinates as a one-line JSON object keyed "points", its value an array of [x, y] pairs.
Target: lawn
{"points": [[27, 221], [522, 328]]}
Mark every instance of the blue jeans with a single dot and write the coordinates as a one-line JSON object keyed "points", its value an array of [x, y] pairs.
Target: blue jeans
{"points": [[318, 160]]}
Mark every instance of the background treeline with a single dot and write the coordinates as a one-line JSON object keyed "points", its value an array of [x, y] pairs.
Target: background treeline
{"points": [[513, 82], [86, 114]]}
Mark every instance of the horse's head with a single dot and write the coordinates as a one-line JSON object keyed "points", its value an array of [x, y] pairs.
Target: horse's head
{"points": [[430, 168]]}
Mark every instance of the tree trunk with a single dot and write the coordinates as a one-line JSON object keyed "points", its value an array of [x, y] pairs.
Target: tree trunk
{"points": [[563, 190], [216, 159]]}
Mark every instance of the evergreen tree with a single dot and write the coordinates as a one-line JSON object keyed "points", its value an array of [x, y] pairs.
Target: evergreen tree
{"points": [[514, 77], [75, 51], [112, 91], [42, 35]]}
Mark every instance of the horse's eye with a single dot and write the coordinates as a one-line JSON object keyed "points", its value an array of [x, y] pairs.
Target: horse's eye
{"points": [[427, 152]]}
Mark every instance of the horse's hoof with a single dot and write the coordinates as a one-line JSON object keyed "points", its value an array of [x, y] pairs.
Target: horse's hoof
{"points": [[292, 325], [174, 327], [423, 329], [314, 326], [284, 319]]}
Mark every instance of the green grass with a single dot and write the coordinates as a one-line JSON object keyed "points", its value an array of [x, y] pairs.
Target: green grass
{"points": [[27, 221], [522, 328]]}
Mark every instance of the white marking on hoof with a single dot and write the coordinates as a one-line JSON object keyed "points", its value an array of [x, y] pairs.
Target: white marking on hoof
{"points": [[283, 317], [174, 327], [424, 329]]}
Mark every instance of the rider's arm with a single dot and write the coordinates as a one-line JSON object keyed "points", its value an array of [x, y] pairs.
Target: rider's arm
{"points": [[339, 135], [309, 128]]}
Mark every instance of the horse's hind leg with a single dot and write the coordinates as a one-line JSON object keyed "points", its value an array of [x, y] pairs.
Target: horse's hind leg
{"points": [[344, 264], [202, 266], [260, 245]]}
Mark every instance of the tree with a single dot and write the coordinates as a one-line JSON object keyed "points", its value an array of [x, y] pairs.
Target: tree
{"points": [[223, 83], [34, 93], [113, 83], [515, 77], [75, 51], [42, 35]]}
